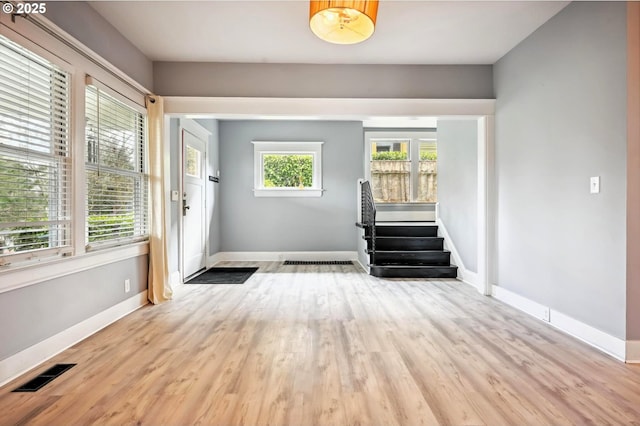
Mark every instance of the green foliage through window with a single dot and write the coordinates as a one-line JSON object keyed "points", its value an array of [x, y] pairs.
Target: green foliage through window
{"points": [[102, 227], [389, 155], [428, 156], [24, 197], [287, 170]]}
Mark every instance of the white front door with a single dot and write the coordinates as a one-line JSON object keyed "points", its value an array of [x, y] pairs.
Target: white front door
{"points": [[193, 203]]}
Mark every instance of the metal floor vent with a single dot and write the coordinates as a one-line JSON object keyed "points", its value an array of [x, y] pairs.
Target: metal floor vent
{"points": [[318, 262], [36, 384]]}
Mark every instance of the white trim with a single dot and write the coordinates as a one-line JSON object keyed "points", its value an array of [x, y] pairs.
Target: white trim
{"points": [[23, 361], [212, 260], [194, 127], [275, 256], [324, 108], [313, 148], [464, 275], [175, 279], [287, 192], [484, 137], [366, 269], [23, 276], [530, 307], [633, 352], [413, 139], [201, 133], [598, 339]]}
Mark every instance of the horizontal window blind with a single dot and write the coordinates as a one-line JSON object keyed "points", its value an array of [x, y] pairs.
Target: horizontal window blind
{"points": [[117, 181], [35, 173]]}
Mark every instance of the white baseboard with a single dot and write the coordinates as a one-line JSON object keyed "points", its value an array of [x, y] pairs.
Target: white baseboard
{"points": [[174, 279], [23, 361], [519, 302], [633, 352], [365, 268], [269, 256], [607, 343], [212, 260], [464, 275]]}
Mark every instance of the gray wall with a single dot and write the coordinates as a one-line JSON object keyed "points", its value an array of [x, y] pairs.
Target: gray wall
{"points": [[31, 314], [85, 24], [323, 81], [325, 223], [561, 118], [458, 186]]}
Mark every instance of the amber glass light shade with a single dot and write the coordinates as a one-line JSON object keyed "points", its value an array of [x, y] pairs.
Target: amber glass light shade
{"points": [[343, 22]]}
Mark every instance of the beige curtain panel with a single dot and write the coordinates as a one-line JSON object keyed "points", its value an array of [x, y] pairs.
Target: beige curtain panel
{"points": [[159, 289]]}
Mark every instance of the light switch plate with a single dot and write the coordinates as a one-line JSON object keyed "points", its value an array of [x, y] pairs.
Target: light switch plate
{"points": [[175, 195], [595, 184]]}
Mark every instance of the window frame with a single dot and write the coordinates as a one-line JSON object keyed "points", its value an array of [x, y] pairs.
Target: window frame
{"points": [[262, 148], [63, 170], [414, 138], [141, 177], [75, 58]]}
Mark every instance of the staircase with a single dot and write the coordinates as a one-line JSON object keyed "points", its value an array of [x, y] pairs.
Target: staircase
{"points": [[403, 249]]}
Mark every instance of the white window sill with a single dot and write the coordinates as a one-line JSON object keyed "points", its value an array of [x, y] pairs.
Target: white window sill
{"points": [[287, 192], [14, 277]]}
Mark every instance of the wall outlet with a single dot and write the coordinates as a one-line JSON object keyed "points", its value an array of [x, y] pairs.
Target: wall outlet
{"points": [[546, 315], [127, 286]]}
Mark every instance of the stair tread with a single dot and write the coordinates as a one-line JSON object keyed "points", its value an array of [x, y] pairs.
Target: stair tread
{"points": [[411, 271], [410, 251], [384, 237], [415, 266], [405, 223]]}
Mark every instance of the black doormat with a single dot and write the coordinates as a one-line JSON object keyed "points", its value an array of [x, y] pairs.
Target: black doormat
{"points": [[223, 276]]}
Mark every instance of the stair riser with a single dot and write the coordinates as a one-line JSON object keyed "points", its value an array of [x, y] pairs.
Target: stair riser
{"points": [[407, 231], [407, 245], [444, 272], [435, 258]]}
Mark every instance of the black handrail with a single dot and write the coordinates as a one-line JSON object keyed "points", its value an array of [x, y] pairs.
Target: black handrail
{"points": [[368, 207]]}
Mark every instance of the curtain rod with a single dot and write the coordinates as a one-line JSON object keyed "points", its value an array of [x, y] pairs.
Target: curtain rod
{"points": [[55, 34]]}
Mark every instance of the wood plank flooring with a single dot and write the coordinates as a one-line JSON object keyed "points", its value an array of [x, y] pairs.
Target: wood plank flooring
{"points": [[330, 345]]}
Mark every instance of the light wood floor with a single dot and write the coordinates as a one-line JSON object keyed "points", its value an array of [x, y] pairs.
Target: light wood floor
{"points": [[330, 345]]}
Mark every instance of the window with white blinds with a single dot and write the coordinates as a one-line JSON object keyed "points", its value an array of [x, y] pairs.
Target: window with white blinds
{"points": [[35, 172], [116, 174]]}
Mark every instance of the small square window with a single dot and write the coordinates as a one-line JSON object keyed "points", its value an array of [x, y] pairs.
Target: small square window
{"points": [[192, 165], [287, 169]]}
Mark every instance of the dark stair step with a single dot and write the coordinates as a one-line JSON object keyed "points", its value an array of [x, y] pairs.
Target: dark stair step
{"points": [[407, 243], [403, 271], [412, 257], [406, 231]]}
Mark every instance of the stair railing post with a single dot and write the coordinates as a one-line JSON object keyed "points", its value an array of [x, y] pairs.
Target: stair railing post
{"points": [[369, 217]]}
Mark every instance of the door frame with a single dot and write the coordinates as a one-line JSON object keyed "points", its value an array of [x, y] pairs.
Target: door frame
{"points": [[189, 125], [482, 110]]}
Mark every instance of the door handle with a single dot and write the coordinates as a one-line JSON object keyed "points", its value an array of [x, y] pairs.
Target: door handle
{"points": [[185, 207]]}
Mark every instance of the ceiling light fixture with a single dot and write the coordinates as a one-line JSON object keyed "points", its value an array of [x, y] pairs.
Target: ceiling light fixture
{"points": [[343, 21]]}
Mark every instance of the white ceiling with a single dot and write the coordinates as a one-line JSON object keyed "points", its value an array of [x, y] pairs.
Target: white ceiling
{"points": [[407, 32]]}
